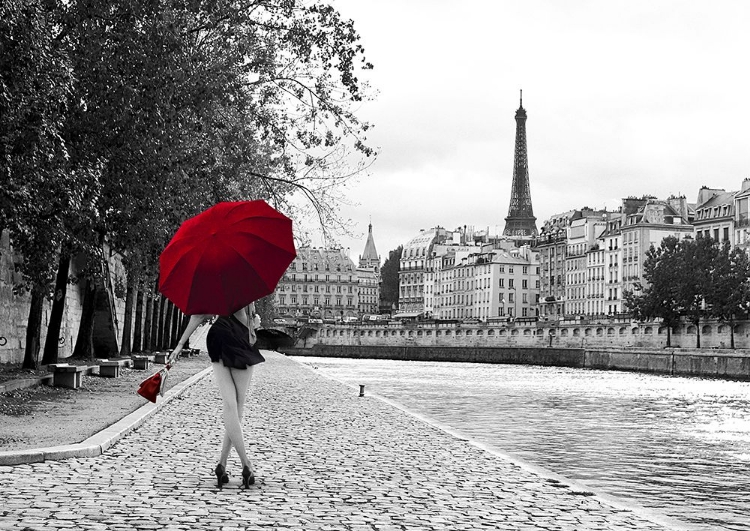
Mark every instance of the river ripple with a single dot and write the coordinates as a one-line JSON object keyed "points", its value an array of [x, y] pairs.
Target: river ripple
{"points": [[677, 445]]}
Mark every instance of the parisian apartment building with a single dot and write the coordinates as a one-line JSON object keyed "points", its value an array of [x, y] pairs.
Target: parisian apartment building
{"points": [[590, 258], [579, 266], [325, 284], [319, 284], [465, 275]]}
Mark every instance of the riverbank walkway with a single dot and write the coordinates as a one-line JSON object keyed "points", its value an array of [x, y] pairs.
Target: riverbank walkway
{"points": [[325, 459]]}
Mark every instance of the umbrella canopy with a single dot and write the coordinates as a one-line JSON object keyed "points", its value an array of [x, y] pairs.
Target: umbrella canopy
{"points": [[226, 257]]}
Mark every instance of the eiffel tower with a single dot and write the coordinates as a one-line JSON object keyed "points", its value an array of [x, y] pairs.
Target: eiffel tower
{"points": [[520, 222]]}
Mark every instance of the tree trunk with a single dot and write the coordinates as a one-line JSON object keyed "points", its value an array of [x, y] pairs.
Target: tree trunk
{"points": [[731, 332], [176, 321], [58, 308], [166, 336], [34, 329], [127, 328], [148, 322], [159, 323], [84, 348], [183, 326], [138, 330], [156, 329], [669, 336], [697, 333]]}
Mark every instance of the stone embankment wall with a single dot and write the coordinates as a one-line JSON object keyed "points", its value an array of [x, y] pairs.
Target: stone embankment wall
{"points": [[727, 364], [14, 308], [604, 344], [603, 333]]}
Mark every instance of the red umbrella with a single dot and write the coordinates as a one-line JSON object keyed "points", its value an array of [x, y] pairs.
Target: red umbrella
{"points": [[226, 257]]}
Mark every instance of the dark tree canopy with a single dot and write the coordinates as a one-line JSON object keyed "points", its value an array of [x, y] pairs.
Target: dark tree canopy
{"points": [[389, 278], [121, 119], [692, 279]]}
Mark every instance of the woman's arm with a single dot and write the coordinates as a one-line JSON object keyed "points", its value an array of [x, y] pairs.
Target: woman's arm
{"points": [[245, 316], [194, 322]]}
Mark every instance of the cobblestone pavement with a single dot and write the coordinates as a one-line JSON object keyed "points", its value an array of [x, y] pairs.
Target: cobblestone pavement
{"points": [[325, 458]]}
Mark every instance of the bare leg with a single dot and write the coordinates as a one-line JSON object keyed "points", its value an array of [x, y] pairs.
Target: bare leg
{"points": [[233, 385], [241, 396]]}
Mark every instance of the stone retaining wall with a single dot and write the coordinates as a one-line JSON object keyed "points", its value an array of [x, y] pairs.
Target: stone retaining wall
{"points": [[602, 333], [14, 308], [727, 364]]}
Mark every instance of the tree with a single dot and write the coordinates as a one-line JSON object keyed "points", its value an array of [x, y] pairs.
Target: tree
{"points": [[691, 275], [682, 276], [389, 278], [659, 299], [728, 294], [37, 191], [119, 120], [184, 105]]}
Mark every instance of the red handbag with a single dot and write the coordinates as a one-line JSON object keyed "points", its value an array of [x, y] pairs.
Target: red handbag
{"points": [[154, 385]]}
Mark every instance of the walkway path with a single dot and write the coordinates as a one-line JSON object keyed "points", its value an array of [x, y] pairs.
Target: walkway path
{"points": [[325, 458]]}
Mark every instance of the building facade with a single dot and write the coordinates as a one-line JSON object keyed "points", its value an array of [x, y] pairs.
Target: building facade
{"points": [[741, 220], [583, 230], [412, 277], [319, 284], [552, 246], [642, 223], [714, 215], [368, 277]]}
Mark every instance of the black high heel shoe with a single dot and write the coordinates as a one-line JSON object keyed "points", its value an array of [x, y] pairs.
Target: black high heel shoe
{"points": [[248, 478], [221, 475]]}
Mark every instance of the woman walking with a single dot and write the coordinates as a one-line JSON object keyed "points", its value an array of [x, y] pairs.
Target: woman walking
{"points": [[231, 348]]}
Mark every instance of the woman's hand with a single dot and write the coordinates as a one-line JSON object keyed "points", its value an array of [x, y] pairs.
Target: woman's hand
{"points": [[175, 353]]}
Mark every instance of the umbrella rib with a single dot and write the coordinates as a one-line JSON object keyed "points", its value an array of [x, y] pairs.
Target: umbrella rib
{"points": [[266, 242]]}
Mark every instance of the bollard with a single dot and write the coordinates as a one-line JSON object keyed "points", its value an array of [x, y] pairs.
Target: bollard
{"points": [[361, 390]]}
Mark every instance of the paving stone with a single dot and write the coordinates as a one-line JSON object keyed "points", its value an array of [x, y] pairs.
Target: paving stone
{"points": [[325, 459]]}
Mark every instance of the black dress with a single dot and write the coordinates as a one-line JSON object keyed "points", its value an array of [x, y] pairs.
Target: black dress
{"points": [[228, 341]]}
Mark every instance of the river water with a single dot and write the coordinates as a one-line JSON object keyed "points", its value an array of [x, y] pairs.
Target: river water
{"points": [[680, 446]]}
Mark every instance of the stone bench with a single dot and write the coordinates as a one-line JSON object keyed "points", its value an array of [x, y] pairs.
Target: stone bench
{"points": [[161, 357], [112, 368], [141, 363], [65, 375]]}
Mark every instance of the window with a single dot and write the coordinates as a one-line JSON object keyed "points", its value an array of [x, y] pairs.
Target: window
{"points": [[524, 284]]}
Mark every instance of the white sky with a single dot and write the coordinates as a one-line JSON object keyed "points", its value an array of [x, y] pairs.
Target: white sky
{"points": [[624, 98]]}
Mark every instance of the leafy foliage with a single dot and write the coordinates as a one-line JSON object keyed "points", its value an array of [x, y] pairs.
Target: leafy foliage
{"points": [[389, 278], [728, 294], [692, 279], [121, 119]]}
